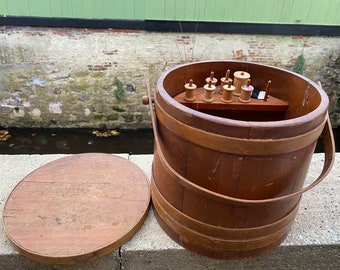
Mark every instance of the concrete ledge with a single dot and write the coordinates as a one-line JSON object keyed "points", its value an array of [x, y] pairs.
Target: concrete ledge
{"points": [[313, 243]]}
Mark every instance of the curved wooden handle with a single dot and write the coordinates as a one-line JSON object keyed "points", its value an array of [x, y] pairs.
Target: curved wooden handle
{"points": [[329, 149]]}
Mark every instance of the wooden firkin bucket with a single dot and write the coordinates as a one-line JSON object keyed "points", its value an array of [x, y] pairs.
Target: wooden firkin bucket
{"points": [[229, 188]]}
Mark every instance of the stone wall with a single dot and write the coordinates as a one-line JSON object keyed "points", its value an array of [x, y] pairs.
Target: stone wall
{"points": [[56, 77]]}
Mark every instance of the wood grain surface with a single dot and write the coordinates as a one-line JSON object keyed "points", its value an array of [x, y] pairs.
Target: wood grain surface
{"points": [[220, 178], [77, 208]]}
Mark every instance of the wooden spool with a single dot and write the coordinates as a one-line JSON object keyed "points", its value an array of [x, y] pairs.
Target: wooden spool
{"points": [[246, 91], [190, 91], [227, 92], [240, 78], [225, 80], [221, 187], [209, 91], [76, 208], [211, 79]]}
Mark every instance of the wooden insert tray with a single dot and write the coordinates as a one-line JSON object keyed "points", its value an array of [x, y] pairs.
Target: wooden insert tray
{"points": [[272, 103]]}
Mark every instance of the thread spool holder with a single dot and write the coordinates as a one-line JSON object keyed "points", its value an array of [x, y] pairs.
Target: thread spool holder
{"points": [[246, 91], [211, 78], [225, 80], [227, 91], [213, 98], [209, 90], [190, 91], [240, 78]]}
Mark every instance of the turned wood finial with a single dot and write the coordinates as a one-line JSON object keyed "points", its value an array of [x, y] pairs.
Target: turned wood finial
{"points": [[211, 78], [248, 82], [191, 82], [227, 74], [267, 90], [229, 83]]}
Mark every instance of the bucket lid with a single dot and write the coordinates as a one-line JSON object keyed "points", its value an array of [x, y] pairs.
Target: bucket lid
{"points": [[77, 208]]}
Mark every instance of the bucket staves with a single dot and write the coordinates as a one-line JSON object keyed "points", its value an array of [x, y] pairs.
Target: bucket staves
{"points": [[220, 186]]}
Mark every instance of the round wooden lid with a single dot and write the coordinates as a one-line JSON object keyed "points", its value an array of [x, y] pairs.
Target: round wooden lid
{"points": [[77, 208]]}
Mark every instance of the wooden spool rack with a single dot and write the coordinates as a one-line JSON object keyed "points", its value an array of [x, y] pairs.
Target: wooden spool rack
{"points": [[271, 104], [268, 108]]}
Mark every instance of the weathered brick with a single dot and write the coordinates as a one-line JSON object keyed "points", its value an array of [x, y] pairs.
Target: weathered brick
{"points": [[79, 67]]}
